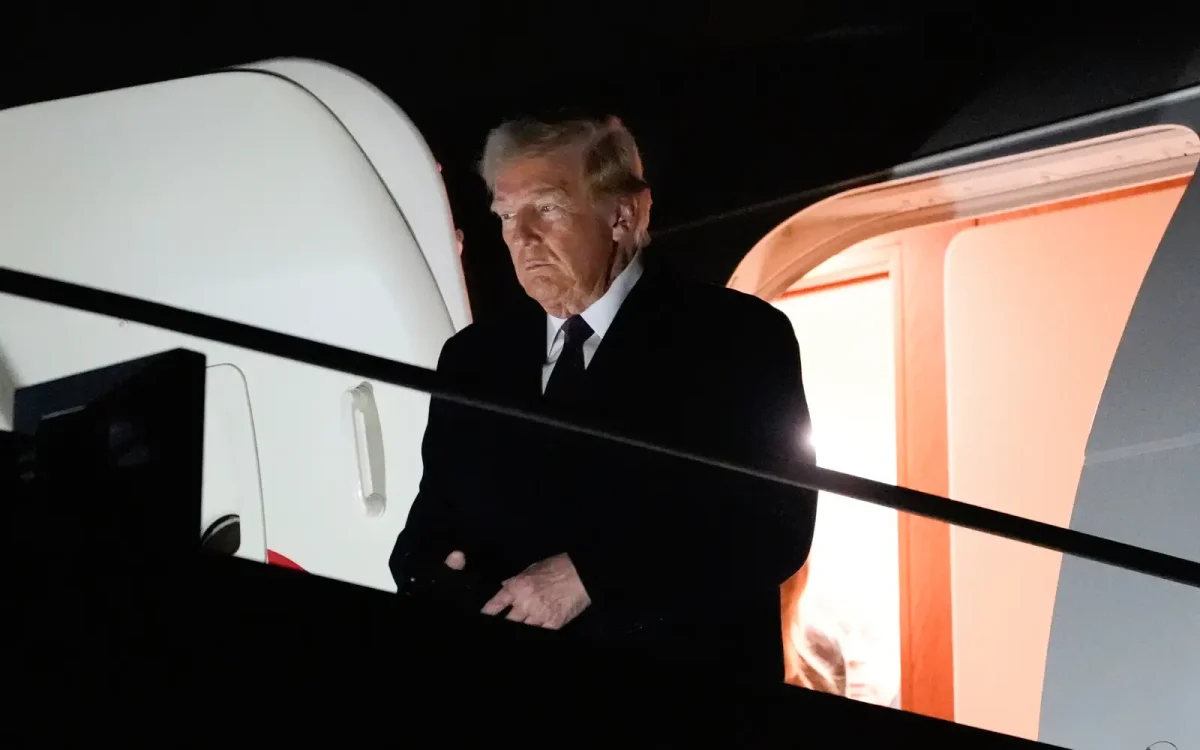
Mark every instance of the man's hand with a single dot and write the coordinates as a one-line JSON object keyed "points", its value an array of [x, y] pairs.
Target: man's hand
{"points": [[548, 594], [456, 560]]}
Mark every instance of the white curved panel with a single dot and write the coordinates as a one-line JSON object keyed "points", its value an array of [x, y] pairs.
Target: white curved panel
{"points": [[238, 195], [400, 155], [233, 194]]}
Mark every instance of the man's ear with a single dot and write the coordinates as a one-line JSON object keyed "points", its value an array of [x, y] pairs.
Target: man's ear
{"points": [[624, 220]]}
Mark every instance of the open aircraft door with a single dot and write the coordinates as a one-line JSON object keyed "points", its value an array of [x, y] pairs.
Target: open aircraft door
{"points": [[288, 195], [1045, 307], [1140, 484]]}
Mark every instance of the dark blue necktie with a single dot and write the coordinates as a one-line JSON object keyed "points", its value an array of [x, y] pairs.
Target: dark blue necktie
{"points": [[566, 379]]}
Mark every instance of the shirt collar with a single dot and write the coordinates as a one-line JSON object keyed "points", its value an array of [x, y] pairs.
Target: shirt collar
{"points": [[601, 314]]}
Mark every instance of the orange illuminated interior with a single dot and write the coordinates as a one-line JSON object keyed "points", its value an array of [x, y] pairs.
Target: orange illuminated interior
{"points": [[1011, 283]]}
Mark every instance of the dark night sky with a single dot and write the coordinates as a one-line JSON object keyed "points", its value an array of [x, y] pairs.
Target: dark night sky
{"points": [[735, 105]]}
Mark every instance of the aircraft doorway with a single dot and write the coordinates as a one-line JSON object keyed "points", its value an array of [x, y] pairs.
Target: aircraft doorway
{"points": [[851, 597], [1011, 283]]}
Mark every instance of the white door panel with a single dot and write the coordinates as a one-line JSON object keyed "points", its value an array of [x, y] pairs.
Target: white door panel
{"points": [[241, 195]]}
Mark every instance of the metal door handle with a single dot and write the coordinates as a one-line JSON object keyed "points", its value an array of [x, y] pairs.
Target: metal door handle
{"points": [[367, 433]]}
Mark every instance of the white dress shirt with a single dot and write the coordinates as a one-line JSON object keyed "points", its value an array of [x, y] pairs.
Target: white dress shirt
{"points": [[599, 317]]}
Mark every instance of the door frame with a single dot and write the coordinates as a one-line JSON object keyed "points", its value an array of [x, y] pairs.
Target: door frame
{"points": [[1027, 171], [924, 616]]}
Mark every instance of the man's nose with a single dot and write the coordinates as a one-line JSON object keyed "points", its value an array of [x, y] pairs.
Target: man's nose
{"points": [[525, 228]]}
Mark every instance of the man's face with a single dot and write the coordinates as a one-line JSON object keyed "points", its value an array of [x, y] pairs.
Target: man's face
{"points": [[562, 245]]}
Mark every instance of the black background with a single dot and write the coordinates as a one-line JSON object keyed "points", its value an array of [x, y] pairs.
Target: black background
{"points": [[739, 107]]}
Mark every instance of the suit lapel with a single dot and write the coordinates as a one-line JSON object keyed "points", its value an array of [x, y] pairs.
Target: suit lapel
{"points": [[518, 352], [629, 341]]}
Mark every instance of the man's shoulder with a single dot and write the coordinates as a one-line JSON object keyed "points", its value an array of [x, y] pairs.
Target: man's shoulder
{"points": [[719, 308], [474, 337], [731, 301], [481, 337]]}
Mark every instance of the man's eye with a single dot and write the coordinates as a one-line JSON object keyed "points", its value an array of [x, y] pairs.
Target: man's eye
{"points": [[547, 208]]}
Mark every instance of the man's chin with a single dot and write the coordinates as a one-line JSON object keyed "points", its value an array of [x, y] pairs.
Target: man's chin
{"points": [[545, 292]]}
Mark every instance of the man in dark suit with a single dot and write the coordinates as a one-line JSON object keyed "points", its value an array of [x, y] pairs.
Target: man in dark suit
{"points": [[561, 530]]}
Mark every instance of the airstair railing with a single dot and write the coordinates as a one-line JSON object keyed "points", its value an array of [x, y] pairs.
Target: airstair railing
{"points": [[198, 325]]}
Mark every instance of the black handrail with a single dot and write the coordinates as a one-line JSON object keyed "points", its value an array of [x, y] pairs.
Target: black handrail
{"points": [[994, 522]]}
